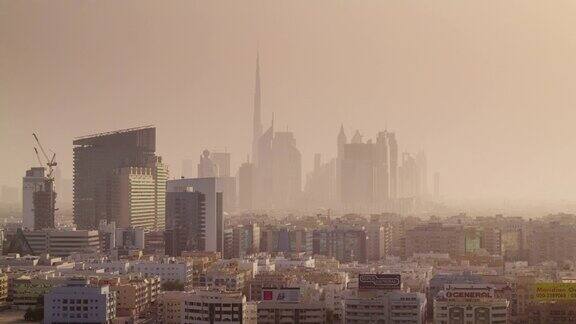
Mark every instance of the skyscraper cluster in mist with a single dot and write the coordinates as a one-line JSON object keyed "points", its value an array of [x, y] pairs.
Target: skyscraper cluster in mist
{"points": [[365, 175], [121, 185], [118, 176]]}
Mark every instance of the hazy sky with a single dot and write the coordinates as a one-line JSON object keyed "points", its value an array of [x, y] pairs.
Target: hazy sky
{"points": [[486, 87]]}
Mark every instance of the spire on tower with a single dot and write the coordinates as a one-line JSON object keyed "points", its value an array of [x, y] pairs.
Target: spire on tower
{"points": [[257, 118], [341, 141], [342, 135], [257, 101]]}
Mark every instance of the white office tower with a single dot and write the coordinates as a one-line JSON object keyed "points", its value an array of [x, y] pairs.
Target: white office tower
{"points": [[31, 183], [79, 302]]}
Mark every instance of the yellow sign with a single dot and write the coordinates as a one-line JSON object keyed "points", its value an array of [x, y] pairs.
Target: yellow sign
{"points": [[555, 291]]}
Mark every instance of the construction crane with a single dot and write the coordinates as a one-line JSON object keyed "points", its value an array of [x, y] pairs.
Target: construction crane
{"points": [[49, 182], [50, 163], [38, 157]]}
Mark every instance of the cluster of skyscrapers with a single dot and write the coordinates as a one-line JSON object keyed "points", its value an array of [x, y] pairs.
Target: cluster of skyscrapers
{"points": [[119, 178], [273, 177], [245, 248], [364, 176]]}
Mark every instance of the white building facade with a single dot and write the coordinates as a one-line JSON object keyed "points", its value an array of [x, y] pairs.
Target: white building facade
{"points": [[78, 302], [168, 269]]}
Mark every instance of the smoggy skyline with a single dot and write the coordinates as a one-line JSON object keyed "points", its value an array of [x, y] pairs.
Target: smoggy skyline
{"points": [[485, 88]]}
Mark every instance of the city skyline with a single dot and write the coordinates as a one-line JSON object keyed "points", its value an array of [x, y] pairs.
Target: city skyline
{"points": [[268, 161], [495, 121]]}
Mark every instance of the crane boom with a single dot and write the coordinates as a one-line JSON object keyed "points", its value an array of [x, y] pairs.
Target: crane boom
{"points": [[41, 148], [50, 163], [38, 156]]}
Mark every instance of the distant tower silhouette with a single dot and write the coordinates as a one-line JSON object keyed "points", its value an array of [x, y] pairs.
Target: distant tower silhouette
{"points": [[257, 118], [393, 156], [436, 185], [357, 138], [342, 140]]}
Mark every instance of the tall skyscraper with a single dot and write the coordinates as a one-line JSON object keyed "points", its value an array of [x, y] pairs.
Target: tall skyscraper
{"points": [[211, 188], [341, 141], [369, 175], [217, 165], [246, 186], [222, 160], [138, 196], [44, 206], [32, 182], [422, 165], [320, 183], [357, 174], [257, 117], [185, 221], [409, 177], [207, 168], [97, 161], [277, 162], [381, 169], [393, 155], [286, 170], [278, 172], [38, 200], [263, 181]]}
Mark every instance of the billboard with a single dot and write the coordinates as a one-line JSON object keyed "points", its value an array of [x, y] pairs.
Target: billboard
{"points": [[468, 291], [379, 281], [281, 294], [549, 291]]}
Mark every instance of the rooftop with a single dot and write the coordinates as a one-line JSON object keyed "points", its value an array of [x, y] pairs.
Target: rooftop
{"points": [[121, 131]]}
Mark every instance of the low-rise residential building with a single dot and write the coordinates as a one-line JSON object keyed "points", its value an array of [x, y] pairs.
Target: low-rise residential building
{"points": [[79, 302], [459, 303], [231, 278], [25, 290], [135, 295], [205, 306], [168, 269], [170, 307], [393, 307], [436, 237], [302, 312], [62, 243], [269, 280]]}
